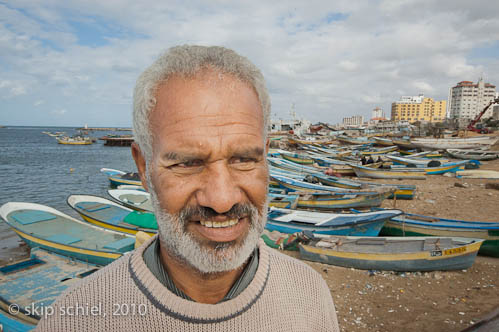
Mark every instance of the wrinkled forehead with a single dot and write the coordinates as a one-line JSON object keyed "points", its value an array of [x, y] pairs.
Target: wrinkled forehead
{"points": [[212, 102]]}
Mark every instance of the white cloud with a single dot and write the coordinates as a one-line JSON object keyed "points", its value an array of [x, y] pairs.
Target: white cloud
{"points": [[370, 57], [38, 102]]}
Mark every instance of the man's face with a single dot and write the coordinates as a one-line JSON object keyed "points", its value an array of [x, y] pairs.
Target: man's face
{"points": [[208, 172]]}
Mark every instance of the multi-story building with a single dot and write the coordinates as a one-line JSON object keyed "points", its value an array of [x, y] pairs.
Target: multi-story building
{"points": [[355, 120], [467, 99], [418, 108], [378, 113]]}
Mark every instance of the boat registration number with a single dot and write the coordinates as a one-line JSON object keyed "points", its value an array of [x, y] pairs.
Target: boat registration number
{"points": [[454, 251]]}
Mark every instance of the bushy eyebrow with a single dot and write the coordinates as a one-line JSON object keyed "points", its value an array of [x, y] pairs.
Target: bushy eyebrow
{"points": [[242, 152], [249, 152]]}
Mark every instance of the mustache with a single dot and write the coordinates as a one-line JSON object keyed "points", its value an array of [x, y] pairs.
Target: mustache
{"points": [[239, 210]]}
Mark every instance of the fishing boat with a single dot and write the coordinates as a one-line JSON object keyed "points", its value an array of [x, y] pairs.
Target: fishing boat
{"points": [[13, 323], [278, 240], [361, 224], [119, 178], [473, 154], [297, 158], [453, 143], [477, 174], [283, 201], [354, 140], [443, 168], [45, 227], [107, 214], [403, 144], [379, 151], [379, 173], [36, 282], [402, 191], [419, 225], [393, 253], [75, 140], [383, 141], [134, 199], [327, 201]]}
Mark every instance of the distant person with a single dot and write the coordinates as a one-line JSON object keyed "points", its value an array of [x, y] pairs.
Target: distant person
{"points": [[200, 123]]}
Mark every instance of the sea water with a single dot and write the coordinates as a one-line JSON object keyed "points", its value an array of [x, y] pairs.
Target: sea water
{"points": [[34, 168]]}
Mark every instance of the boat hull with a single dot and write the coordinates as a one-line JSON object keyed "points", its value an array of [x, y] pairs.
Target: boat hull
{"points": [[490, 246], [361, 229], [449, 259]]}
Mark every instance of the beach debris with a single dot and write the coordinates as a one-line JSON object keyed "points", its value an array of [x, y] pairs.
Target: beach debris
{"points": [[461, 185]]}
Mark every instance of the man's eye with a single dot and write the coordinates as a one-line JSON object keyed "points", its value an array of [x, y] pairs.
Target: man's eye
{"points": [[190, 163], [243, 160]]}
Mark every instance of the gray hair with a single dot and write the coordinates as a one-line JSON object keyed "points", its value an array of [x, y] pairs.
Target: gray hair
{"points": [[187, 61]]}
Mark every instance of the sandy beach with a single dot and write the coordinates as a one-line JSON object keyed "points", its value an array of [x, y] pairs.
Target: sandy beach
{"points": [[433, 301]]}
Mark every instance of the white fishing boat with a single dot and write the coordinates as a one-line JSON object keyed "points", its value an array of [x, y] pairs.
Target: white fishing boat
{"points": [[473, 154], [453, 143]]}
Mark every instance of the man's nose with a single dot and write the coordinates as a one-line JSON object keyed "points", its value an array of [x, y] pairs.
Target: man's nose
{"points": [[219, 190]]}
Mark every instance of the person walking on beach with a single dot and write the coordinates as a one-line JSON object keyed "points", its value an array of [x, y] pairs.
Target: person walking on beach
{"points": [[200, 124]]}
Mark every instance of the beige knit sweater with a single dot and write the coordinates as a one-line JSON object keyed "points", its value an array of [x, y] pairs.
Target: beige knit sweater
{"points": [[284, 295]]}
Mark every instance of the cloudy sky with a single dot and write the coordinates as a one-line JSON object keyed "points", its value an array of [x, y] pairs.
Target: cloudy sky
{"points": [[75, 62]]}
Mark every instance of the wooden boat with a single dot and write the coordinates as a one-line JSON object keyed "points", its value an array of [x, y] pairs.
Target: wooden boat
{"points": [[419, 225], [297, 158], [13, 323], [278, 240], [393, 253], [119, 178], [444, 168], [354, 141], [283, 201], [403, 144], [383, 141], [328, 201], [37, 282], [107, 214], [134, 199], [378, 173], [45, 227], [292, 221], [422, 162], [402, 191], [477, 174], [298, 141], [77, 140], [473, 154], [453, 143], [380, 151]]}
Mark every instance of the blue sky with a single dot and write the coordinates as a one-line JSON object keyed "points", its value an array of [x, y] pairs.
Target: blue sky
{"points": [[75, 62]]}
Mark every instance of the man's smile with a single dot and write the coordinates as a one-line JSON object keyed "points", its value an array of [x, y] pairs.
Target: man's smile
{"points": [[222, 231]]}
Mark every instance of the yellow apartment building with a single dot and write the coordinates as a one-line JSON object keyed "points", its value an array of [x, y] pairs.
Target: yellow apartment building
{"points": [[418, 108]]}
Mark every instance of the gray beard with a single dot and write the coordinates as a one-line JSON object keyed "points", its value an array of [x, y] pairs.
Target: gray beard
{"points": [[183, 246]]}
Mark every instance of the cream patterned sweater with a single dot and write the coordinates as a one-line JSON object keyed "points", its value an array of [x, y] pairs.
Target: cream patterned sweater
{"points": [[284, 295]]}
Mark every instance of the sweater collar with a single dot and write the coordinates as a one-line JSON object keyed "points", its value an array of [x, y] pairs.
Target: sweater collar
{"points": [[194, 312]]}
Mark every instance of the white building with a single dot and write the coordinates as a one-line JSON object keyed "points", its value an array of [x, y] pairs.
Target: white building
{"points": [[378, 113], [467, 99], [355, 120]]}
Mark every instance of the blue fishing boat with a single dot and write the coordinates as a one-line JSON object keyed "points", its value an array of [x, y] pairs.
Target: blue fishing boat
{"points": [[118, 178], [45, 227], [108, 214], [36, 282], [360, 224]]}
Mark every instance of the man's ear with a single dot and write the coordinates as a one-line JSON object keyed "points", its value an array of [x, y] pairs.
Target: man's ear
{"points": [[140, 161], [267, 146]]}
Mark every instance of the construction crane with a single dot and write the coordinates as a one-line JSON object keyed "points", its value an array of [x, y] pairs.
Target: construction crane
{"points": [[472, 124]]}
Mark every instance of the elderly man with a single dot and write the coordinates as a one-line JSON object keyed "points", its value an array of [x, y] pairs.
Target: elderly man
{"points": [[200, 122]]}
